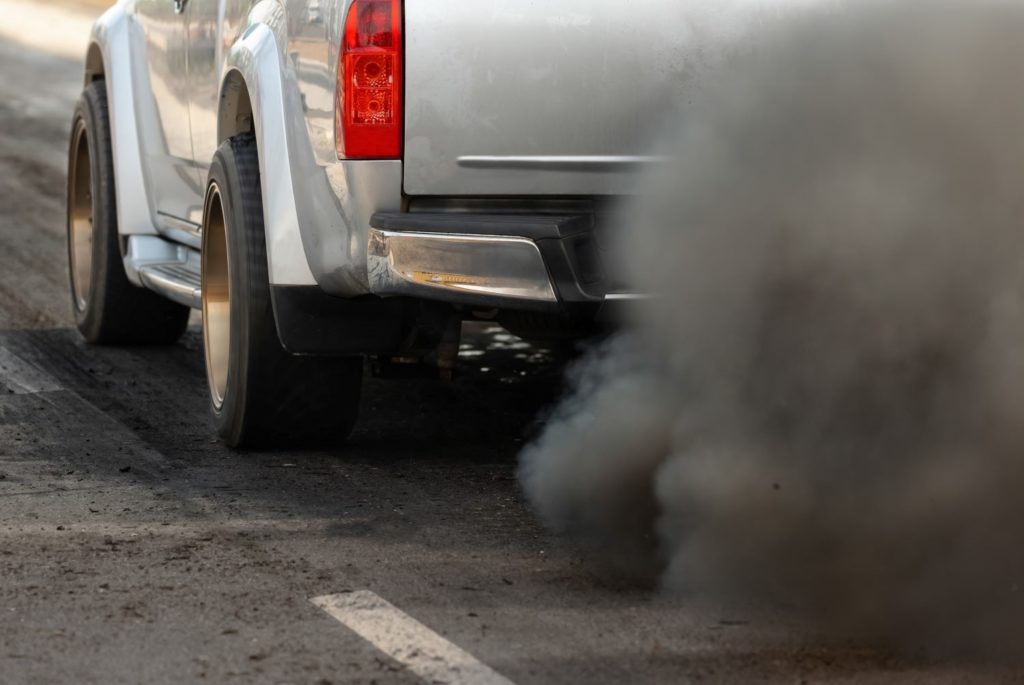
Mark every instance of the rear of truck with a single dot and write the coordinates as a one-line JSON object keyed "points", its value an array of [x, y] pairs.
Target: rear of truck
{"points": [[519, 124]]}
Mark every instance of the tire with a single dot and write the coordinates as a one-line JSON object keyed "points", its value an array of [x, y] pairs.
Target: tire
{"points": [[108, 309], [261, 395]]}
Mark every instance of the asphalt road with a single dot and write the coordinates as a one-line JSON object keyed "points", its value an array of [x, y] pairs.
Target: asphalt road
{"points": [[135, 548]]}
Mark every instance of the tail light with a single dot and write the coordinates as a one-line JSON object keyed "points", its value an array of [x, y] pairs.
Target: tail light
{"points": [[368, 113]]}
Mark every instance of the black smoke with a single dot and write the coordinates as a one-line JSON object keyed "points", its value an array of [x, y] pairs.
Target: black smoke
{"points": [[823, 403]]}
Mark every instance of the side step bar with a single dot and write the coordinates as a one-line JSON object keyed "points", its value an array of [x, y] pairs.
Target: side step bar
{"points": [[171, 270], [179, 281]]}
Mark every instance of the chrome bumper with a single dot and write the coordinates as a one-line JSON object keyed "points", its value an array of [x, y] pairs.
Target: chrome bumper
{"points": [[503, 261], [473, 269]]}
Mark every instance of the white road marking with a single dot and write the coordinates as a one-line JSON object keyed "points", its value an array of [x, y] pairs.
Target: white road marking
{"points": [[23, 378], [407, 641]]}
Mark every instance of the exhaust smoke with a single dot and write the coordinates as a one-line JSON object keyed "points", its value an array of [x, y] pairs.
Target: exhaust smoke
{"points": [[823, 406]]}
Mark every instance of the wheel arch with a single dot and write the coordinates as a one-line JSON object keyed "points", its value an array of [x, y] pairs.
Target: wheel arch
{"points": [[94, 68], [235, 112], [254, 97], [112, 50]]}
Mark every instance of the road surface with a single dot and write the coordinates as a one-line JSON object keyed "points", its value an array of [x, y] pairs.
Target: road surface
{"points": [[136, 548]]}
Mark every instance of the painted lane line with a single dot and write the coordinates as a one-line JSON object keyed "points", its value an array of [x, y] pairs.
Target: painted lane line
{"points": [[407, 641], [23, 378]]}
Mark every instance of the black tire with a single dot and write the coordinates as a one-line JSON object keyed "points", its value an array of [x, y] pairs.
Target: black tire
{"points": [[262, 396], [108, 309]]}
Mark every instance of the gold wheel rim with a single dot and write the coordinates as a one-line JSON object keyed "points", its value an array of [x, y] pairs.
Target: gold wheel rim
{"points": [[80, 217], [216, 297]]}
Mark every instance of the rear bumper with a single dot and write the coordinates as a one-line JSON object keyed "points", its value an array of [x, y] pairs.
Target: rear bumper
{"points": [[544, 263]]}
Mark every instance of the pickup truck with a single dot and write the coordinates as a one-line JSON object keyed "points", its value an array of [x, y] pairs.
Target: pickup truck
{"points": [[328, 180]]}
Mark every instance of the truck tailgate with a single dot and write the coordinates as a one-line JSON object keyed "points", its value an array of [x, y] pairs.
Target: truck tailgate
{"points": [[538, 97]]}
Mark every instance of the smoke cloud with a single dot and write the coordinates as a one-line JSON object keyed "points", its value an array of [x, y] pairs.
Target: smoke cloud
{"points": [[823, 403]]}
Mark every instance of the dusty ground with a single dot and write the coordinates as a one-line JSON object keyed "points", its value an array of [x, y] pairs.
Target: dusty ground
{"points": [[135, 548]]}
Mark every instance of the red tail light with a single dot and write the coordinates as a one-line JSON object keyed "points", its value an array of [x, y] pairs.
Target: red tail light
{"points": [[368, 113]]}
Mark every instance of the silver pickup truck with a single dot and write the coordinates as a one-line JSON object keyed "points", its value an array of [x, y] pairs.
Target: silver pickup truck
{"points": [[330, 179]]}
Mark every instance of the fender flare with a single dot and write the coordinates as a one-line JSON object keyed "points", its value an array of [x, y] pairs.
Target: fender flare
{"points": [[112, 36], [256, 61]]}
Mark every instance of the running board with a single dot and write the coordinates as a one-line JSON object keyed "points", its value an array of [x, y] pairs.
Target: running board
{"points": [[178, 281], [166, 268]]}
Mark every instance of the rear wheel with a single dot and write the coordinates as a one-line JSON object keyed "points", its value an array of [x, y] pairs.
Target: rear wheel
{"points": [[260, 394], [108, 308]]}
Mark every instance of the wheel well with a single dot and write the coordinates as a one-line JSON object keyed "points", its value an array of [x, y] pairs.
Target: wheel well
{"points": [[94, 70], [235, 115]]}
